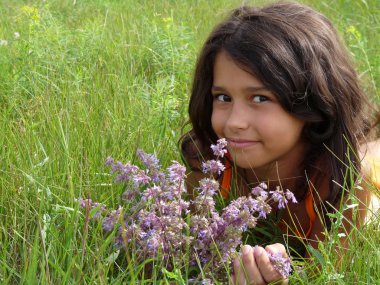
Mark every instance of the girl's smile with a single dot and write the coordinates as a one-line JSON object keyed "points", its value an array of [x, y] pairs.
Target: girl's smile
{"points": [[238, 143], [260, 133]]}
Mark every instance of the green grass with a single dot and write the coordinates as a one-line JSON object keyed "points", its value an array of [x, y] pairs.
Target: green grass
{"points": [[88, 79]]}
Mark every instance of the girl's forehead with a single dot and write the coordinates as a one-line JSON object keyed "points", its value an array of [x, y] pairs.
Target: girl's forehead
{"points": [[224, 62], [227, 69], [223, 57]]}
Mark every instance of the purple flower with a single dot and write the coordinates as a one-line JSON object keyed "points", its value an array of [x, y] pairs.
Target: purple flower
{"points": [[109, 221], [204, 204], [109, 161], [149, 220], [278, 196], [219, 149], [280, 263], [154, 243], [212, 166], [96, 208], [83, 203], [240, 212], [157, 176], [262, 207], [156, 218], [140, 178], [290, 196], [282, 198], [149, 160], [130, 194], [208, 187], [207, 281], [177, 172], [126, 171], [263, 185], [258, 191], [183, 206], [151, 192]]}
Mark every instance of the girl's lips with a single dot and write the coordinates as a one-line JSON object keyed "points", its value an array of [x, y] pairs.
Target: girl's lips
{"points": [[241, 143]]}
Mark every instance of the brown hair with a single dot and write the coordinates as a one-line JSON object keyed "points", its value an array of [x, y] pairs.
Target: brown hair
{"points": [[298, 55]]}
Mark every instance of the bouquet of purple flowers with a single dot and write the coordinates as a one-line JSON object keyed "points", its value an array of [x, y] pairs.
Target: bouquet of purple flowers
{"points": [[155, 221]]}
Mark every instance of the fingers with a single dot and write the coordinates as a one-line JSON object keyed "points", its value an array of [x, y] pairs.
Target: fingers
{"points": [[276, 247], [255, 267], [246, 270], [267, 271]]}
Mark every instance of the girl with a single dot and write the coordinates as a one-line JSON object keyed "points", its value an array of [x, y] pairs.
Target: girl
{"points": [[278, 84]]}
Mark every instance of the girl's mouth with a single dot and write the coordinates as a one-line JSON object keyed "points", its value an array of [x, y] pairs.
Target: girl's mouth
{"points": [[241, 143]]}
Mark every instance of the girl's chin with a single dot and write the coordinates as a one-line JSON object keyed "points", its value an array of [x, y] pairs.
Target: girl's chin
{"points": [[243, 160]]}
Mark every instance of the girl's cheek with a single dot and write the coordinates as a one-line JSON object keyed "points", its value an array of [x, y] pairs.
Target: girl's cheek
{"points": [[216, 122]]}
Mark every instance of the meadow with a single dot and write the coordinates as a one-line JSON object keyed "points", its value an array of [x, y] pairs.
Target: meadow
{"points": [[81, 80]]}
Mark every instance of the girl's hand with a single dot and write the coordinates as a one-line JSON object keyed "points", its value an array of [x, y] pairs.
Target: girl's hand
{"points": [[254, 266]]}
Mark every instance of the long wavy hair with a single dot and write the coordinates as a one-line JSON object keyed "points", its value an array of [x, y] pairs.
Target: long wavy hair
{"points": [[298, 55]]}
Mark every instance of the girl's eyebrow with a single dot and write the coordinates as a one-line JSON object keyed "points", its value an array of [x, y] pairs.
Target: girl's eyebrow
{"points": [[248, 89]]}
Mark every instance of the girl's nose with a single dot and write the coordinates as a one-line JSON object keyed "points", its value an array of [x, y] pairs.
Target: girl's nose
{"points": [[238, 117]]}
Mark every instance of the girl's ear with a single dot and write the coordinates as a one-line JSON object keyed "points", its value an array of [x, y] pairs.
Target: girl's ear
{"points": [[319, 132]]}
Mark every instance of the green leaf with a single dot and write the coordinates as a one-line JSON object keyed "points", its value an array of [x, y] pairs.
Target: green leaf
{"points": [[316, 254]]}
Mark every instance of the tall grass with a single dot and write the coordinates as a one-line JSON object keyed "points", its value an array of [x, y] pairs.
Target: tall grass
{"points": [[87, 79]]}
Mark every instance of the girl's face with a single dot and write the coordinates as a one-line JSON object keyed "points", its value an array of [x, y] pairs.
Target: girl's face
{"points": [[261, 135]]}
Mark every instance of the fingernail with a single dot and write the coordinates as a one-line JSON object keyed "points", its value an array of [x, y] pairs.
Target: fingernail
{"points": [[258, 251], [246, 249]]}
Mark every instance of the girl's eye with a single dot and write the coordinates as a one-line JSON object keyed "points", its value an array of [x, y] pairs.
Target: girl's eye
{"points": [[259, 98], [222, 98]]}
